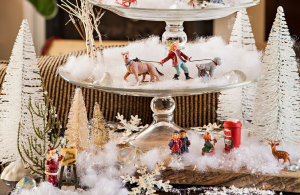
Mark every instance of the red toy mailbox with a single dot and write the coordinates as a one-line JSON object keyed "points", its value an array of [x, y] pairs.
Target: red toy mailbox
{"points": [[232, 131]]}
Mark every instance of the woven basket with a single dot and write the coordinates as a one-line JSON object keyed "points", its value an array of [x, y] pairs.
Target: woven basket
{"points": [[196, 110]]}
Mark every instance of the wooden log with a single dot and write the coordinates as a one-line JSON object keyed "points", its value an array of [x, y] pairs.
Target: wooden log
{"points": [[285, 181]]}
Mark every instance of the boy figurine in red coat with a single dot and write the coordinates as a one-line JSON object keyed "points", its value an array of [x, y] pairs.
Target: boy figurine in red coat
{"points": [[178, 61], [52, 163], [175, 143]]}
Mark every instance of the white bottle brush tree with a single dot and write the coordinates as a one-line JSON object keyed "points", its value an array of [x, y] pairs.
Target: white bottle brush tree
{"points": [[238, 102], [100, 133], [277, 105], [88, 22], [77, 128], [21, 82], [19, 119]]}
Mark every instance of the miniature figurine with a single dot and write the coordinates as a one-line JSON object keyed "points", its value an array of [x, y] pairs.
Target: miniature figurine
{"points": [[126, 3], [210, 67], [232, 132], [175, 143], [138, 68], [178, 61], [217, 1], [278, 154], [185, 141], [52, 163], [209, 144], [191, 3]]}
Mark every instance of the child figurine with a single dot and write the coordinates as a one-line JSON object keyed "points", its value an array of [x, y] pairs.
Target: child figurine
{"points": [[209, 144], [178, 61], [175, 143], [52, 163], [185, 142]]}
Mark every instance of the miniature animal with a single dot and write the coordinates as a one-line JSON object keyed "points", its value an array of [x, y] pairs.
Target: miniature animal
{"points": [[278, 154], [139, 68], [210, 67]]}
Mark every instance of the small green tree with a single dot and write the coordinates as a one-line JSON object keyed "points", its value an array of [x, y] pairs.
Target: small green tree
{"points": [[33, 153]]}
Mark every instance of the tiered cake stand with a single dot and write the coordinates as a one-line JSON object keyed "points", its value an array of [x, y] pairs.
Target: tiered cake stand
{"points": [[174, 18], [159, 132]]}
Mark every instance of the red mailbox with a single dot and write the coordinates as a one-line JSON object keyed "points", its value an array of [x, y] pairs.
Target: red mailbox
{"points": [[232, 132]]}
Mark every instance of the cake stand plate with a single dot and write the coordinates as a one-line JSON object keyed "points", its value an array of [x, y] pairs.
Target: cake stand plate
{"points": [[174, 18], [158, 134]]}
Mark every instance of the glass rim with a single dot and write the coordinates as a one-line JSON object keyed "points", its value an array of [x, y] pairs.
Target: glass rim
{"points": [[255, 2], [156, 92]]}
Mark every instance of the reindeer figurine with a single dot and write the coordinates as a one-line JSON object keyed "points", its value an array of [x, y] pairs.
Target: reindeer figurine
{"points": [[278, 154]]}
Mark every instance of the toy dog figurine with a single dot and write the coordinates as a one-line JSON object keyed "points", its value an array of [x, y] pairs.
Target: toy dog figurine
{"points": [[208, 67], [139, 68]]}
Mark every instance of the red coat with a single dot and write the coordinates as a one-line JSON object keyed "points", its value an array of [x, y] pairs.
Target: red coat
{"points": [[52, 165], [173, 56], [176, 145]]}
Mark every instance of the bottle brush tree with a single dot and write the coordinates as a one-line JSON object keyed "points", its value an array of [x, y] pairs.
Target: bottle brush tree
{"points": [[33, 153]]}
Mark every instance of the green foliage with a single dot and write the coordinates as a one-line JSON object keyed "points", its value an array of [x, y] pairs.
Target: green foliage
{"points": [[35, 155], [47, 8]]}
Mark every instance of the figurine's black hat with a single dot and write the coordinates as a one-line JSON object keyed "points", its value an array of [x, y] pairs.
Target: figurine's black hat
{"points": [[176, 132], [182, 131]]}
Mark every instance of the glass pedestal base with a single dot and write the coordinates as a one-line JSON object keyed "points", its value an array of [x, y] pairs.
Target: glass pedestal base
{"points": [[159, 133]]}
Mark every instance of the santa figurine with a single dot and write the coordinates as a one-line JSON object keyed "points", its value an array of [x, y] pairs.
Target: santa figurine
{"points": [[175, 143], [52, 163]]}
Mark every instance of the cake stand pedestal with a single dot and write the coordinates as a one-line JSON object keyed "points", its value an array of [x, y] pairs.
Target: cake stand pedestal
{"points": [[174, 18], [159, 133]]}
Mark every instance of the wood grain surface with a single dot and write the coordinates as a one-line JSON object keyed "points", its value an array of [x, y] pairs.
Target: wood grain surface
{"points": [[286, 181]]}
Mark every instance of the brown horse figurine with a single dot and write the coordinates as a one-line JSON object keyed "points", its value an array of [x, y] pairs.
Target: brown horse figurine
{"points": [[139, 68]]}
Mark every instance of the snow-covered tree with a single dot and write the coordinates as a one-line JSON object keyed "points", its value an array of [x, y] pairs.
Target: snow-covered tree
{"points": [[276, 110], [100, 133], [22, 81], [238, 102], [77, 128]]}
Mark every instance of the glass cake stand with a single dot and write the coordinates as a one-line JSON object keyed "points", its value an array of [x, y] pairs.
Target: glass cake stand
{"points": [[158, 134], [174, 18]]}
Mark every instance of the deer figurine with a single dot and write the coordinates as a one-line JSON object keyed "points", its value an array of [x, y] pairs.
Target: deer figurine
{"points": [[278, 154]]}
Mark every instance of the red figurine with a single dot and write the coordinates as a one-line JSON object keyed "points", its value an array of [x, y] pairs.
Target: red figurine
{"points": [[126, 3], [52, 163], [209, 145], [232, 132], [278, 154], [178, 61], [175, 143]]}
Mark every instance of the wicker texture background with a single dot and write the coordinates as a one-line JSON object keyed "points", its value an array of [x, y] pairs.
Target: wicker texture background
{"points": [[190, 111]]}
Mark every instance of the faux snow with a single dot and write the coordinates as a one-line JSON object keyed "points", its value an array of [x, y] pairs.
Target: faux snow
{"points": [[99, 173], [83, 69], [178, 4]]}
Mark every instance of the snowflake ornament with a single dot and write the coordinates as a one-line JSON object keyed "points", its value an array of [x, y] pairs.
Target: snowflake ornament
{"points": [[147, 181], [205, 128], [130, 126]]}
